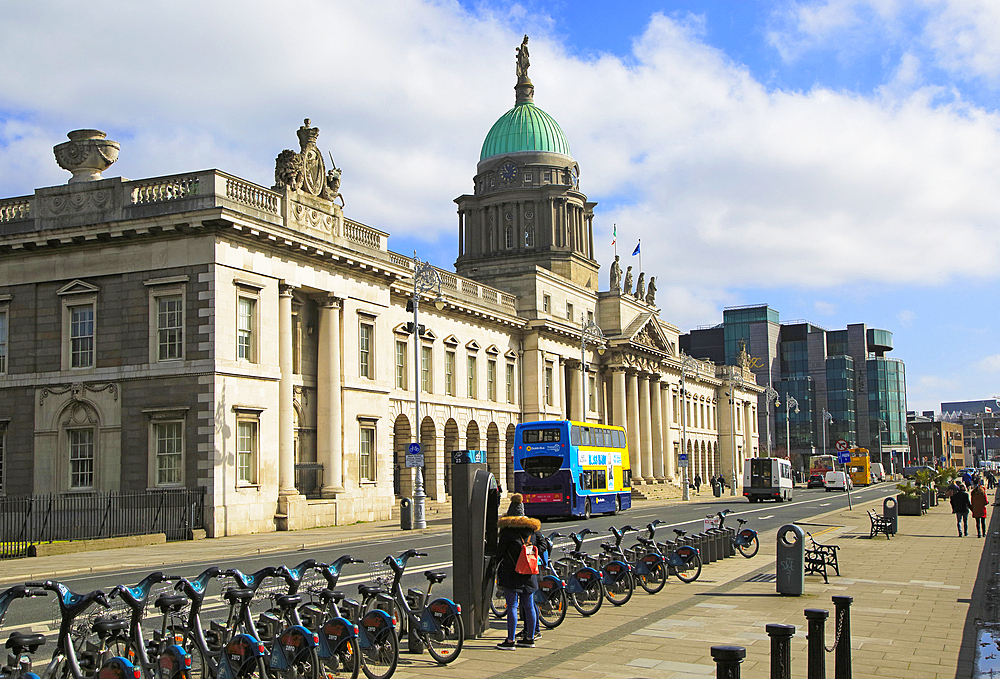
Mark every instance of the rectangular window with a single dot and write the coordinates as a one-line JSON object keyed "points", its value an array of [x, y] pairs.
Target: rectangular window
{"points": [[81, 336], [81, 458], [169, 328], [546, 303], [365, 350], [3, 342], [169, 438], [366, 464], [510, 383], [246, 452], [491, 380], [471, 383], [449, 373], [548, 384], [674, 406], [590, 316], [425, 369], [245, 322], [401, 365], [569, 311], [592, 391]]}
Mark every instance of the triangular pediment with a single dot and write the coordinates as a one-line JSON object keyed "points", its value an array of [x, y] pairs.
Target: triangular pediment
{"points": [[78, 287], [646, 332], [472, 345], [451, 341], [492, 350]]}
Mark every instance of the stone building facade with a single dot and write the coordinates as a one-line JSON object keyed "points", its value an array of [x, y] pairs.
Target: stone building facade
{"points": [[202, 330]]}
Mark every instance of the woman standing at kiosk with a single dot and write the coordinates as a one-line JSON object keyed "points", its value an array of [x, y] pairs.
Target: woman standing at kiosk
{"points": [[516, 531]]}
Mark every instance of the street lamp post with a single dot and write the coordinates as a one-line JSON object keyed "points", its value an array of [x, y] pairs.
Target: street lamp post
{"points": [[590, 334], [770, 396], [881, 428], [687, 362], [827, 420], [790, 403], [735, 380], [425, 279]]}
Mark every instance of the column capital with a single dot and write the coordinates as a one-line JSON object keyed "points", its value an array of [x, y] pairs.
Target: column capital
{"points": [[285, 289], [330, 302]]}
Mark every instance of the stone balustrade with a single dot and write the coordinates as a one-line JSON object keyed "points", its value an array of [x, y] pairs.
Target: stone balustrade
{"points": [[14, 209]]}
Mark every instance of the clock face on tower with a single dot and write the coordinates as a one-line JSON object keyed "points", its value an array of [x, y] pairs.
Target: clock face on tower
{"points": [[508, 172]]}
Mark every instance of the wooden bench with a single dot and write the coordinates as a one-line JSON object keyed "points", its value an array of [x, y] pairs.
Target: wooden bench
{"points": [[819, 557], [880, 524]]}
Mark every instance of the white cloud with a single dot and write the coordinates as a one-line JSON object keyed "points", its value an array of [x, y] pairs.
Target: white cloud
{"points": [[906, 318], [990, 363]]}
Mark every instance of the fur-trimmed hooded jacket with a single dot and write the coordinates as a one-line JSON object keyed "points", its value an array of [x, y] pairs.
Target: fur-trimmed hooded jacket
{"points": [[513, 531]]}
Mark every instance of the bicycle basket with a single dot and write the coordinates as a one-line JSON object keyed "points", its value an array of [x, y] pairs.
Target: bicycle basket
{"points": [[380, 574]]}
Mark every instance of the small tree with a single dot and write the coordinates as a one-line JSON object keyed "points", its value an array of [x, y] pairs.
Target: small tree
{"points": [[908, 490]]}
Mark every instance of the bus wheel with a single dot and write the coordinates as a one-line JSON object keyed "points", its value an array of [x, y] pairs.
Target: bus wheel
{"points": [[618, 506], [586, 508]]}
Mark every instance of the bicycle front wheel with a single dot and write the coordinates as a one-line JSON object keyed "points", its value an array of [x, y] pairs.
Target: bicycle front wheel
{"points": [[379, 660], [620, 589], [690, 571], [749, 549], [590, 599], [445, 644], [306, 666], [551, 603], [199, 663], [345, 663], [498, 604]]}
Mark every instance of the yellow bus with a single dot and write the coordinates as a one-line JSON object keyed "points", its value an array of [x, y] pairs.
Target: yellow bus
{"points": [[860, 468]]}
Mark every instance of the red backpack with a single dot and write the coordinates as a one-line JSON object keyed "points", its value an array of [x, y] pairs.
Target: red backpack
{"points": [[527, 561]]}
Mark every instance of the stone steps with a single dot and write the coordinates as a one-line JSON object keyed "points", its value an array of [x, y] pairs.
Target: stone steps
{"points": [[656, 491]]}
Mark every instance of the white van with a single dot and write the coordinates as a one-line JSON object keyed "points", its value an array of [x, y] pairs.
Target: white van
{"points": [[838, 481], [767, 478], [878, 472]]}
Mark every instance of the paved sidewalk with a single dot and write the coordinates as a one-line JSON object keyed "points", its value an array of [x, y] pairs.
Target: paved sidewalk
{"points": [[911, 596]]}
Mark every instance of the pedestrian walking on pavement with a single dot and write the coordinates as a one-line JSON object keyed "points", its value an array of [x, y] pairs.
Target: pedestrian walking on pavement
{"points": [[979, 502], [960, 505], [515, 532], [697, 483]]}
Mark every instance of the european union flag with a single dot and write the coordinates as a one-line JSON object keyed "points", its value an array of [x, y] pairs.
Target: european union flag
{"points": [[636, 251]]}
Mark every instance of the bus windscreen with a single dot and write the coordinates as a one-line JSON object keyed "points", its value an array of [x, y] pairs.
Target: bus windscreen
{"points": [[540, 435], [542, 466]]}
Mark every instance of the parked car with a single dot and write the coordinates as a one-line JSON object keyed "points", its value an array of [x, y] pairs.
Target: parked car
{"points": [[838, 481], [878, 472], [816, 481]]}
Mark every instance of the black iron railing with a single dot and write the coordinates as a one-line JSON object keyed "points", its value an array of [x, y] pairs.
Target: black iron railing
{"points": [[25, 521]]}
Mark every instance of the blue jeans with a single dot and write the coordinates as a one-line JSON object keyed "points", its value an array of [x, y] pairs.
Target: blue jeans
{"points": [[530, 618]]}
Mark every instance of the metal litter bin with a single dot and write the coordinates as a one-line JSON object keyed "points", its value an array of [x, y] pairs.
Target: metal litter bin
{"points": [[891, 511], [406, 514], [791, 560]]}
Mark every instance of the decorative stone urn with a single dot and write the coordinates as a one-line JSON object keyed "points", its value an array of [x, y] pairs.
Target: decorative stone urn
{"points": [[87, 154]]}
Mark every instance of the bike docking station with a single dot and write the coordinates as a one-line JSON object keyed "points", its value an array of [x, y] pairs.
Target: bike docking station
{"points": [[475, 508], [791, 559]]}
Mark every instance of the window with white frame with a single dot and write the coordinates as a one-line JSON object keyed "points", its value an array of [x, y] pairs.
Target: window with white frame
{"points": [[590, 316], [168, 439], [449, 373], [546, 303], [472, 383], [548, 384], [81, 458], [425, 369], [592, 391], [366, 337], [169, 328], [400, 365], [673, 406], [366, 461], [81, 336], [3, 340], [569, 311], [246, 328], [510, 383], [509, 240], [491, 380], [246, 450]]}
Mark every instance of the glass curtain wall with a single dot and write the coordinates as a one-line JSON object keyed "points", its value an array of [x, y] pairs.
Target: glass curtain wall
{"points": [[841, 403]]}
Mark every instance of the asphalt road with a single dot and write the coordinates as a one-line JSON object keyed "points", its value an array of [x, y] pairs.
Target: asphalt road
{"points": [[41, 615]]}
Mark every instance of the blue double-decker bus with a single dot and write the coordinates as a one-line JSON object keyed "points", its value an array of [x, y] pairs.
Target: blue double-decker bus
{"points": [[565, 468]]}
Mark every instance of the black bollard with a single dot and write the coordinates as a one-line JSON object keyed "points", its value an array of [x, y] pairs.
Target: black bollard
{"points": [[727, 661], [781, 649], [817, 642], [842, 656]]}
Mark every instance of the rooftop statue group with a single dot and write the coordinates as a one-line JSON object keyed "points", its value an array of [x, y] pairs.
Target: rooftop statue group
{"points": [[305, 171], [641, 293]]}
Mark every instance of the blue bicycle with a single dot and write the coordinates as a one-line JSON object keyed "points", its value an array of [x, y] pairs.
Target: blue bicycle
{"points": [[745, 539]]}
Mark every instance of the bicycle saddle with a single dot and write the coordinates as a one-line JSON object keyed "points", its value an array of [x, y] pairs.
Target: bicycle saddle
{"points": [[741, 521], [435, 577], [240, 595], [18, 642], [607, 546], [369, 590], [102, 627], [288, 601], [680, 533], [170, 602], [331, 595], [645, 541]]}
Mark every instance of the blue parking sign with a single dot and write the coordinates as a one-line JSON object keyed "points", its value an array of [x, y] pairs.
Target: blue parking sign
{"points": [[844, 457]]}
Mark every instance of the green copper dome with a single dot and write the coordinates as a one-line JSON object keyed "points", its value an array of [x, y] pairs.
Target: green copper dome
{"points": [[524, 128]]}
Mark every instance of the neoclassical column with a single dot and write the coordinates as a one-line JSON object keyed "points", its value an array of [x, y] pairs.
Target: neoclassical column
{"points": [[286, 408], [632, 417], [573, 407], [329, 450], [656, 425], [668, 433], [618, 397], [645, 429]]}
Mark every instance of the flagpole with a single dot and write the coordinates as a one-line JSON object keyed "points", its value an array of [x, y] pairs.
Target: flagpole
{"points": [[640, 255]]}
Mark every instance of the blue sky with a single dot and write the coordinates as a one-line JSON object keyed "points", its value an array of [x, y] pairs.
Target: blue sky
{"points": [[836, 159]]}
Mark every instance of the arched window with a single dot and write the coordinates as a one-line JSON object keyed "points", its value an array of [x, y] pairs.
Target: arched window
{"points": [[510, 237], [529, 236]]}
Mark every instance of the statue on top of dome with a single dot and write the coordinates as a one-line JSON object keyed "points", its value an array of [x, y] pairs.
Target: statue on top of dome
{"points": [[522, 61]]}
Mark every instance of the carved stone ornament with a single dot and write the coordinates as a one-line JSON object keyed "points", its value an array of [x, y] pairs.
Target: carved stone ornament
{"points": [[77, 390], [306, 171], [87, 154]]}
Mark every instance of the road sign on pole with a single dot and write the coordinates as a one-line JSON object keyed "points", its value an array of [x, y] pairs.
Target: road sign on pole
{"points": [[682, 460], [841, 445], [414, 458]]}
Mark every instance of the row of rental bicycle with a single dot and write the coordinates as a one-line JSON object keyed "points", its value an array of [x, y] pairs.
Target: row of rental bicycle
{"points": [[282, 623], [293, 623], [586, 581]]}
